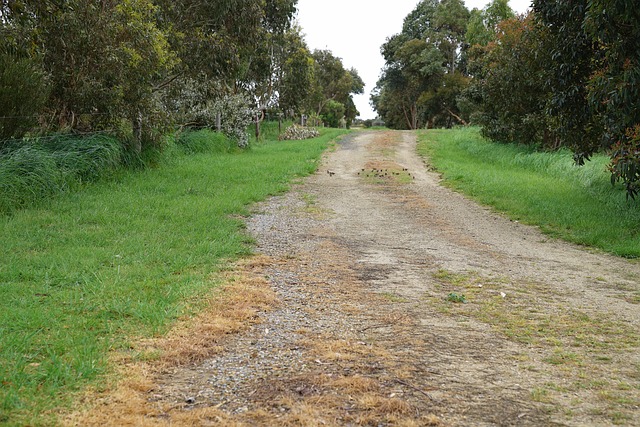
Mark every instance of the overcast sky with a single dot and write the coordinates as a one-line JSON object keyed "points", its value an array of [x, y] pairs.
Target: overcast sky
{"points": [[354, 30]]}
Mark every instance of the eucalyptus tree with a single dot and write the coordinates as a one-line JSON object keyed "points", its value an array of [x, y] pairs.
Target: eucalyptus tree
{"points": [[512, 84], [413, 68], [483, 23], [572, 52], [101, 59], [297, 74], [595, 79], [333, 84], [420, 81]]}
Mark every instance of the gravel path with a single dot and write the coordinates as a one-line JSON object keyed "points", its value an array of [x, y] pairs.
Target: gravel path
{"points": [[365, 258]]}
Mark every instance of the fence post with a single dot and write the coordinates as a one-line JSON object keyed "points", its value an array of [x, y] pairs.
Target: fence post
{"points": [[218, 121], [257, 126]]}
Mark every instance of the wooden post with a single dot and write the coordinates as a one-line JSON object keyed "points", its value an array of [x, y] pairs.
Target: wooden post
{"points": [[257, 126], [218, 122], [279, 123]]}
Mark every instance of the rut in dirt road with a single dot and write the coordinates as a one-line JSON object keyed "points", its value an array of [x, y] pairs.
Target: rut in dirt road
{"points": [[370, 264]]}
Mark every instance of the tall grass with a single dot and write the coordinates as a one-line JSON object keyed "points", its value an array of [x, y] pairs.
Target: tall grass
{"points": [[203, 141], [34, 171], [542, 188], [122, 259]]}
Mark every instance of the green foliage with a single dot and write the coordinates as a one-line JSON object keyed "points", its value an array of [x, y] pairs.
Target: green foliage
{"points": [[510, 87], [451, 21], [137, 68], [483, 24], [332, 82], [566, 75], [572, 53], [459, 299], [298, 76], [332, 113], [125, 53], [625, 162], [614, 94], [23, 93], [413, 68], [542, 188]]}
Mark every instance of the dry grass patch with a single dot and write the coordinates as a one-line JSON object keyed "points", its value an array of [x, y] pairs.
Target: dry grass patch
{"points": [[332, 350], [384, 144], [384, 405], [125, 401], [355, 384]]}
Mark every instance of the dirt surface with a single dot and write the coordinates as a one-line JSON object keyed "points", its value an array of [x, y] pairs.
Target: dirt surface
{"points": [[400, 302]]}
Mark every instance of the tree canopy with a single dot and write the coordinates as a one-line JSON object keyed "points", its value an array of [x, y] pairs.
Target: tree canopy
{"points": [[135, 67], [567, 74], [422, 77]]}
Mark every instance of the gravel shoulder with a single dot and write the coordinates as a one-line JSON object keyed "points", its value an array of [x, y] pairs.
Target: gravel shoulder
{"points": [[366, 266]]}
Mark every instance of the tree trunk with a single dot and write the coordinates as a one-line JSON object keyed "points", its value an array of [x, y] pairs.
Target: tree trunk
{"points": [[137, 133], [460, 119], [410, 117]]}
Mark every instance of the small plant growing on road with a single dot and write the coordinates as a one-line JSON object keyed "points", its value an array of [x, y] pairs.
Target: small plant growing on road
{"points": [[459, 299]]}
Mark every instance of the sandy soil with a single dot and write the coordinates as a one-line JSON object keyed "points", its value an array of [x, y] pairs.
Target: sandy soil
{"points": [[370, 260]]}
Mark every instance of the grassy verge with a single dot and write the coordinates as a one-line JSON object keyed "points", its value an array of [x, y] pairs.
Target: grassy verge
{"points": [[544, 189], [122, 259]]}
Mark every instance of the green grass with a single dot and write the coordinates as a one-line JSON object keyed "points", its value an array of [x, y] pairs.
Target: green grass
{"points": [[32, 172], [269, 130], [122, 259], [578, 204], [203, 141]]}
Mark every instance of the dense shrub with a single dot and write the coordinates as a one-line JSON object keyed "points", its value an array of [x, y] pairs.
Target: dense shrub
{"points": [[22, 96], [236, 116], [625, 162], [333, 113], [197, 104], [296, 132]]}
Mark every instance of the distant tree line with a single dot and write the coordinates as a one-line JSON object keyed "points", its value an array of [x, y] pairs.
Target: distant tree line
{"points": [[567, 74], [137, 68]]}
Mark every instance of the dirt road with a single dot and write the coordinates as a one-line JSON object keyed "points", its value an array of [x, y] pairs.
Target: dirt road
{"points": [[403, 303]]}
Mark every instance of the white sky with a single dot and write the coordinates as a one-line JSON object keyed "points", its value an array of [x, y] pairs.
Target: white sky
{"points": [[354, 30]]}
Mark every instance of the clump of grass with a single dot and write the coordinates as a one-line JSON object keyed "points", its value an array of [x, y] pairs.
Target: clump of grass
{"points": [[578, 204], [203, 141], [85, 158], [34, 171], [456, 298]]}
